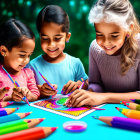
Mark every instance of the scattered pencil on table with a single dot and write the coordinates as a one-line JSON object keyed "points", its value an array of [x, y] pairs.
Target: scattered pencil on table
{"points": [[4, 104], [120, 122], [129, 113], [124, 102], [7, 111], [133, 106], [136, 101], [30, 134], [13, 117], [18, 125]]}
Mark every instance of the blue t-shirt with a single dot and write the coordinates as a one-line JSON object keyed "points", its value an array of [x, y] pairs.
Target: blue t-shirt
{"points": [[70, 68]]}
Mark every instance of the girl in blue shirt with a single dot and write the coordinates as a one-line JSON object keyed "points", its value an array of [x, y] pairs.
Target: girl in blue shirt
{"points": [[60, 69]]}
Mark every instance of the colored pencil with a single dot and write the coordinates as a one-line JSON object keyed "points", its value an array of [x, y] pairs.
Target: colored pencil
{"points": [[136, 101], [120, 122], [4, 104], [7, 111], [49, 84], [124, 102], [30, 134], [16, 85], [133, 106], [18, 125], [134, 114], [13, 117]]}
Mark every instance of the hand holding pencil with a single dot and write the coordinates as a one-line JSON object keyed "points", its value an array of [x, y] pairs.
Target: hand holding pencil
{"points": [[19, 93], [46, 90]]}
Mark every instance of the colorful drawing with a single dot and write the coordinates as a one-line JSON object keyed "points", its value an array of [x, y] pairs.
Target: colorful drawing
{"points": [[55, 105]]}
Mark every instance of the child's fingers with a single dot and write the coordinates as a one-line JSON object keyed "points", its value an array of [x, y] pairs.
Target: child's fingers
{"points": [[46, 86], [48, 93], [70, 87], [67, 85], [55, 86], [16, 98]]}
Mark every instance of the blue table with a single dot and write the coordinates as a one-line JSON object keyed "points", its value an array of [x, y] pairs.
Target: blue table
{"points": [[96, 130]]}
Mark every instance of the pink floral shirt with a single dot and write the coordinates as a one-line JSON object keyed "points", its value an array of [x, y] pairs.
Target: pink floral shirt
{"points": [[24, 79]]}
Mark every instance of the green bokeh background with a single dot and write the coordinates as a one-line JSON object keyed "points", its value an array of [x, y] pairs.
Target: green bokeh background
{"points": [[82, 32]]}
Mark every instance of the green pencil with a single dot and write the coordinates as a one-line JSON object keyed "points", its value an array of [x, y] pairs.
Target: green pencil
{"points": [[18, 125]]}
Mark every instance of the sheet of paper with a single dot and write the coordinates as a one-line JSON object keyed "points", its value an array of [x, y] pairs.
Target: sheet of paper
{"points": [[55, 105]]}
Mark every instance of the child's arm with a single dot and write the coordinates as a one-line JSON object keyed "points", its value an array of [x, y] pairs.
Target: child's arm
{"points": [[31, 84], [46, 90], [81, 97]]}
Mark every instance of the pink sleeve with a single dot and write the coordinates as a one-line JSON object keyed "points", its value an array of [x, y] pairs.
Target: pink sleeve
{"points": [[31, 83]]}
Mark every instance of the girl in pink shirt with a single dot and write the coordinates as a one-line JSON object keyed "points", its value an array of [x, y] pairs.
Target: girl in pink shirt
{"points": [[17, 43]]}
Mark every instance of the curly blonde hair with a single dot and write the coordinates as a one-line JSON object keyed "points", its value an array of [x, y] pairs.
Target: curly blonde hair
{"points": [[122, 11]]}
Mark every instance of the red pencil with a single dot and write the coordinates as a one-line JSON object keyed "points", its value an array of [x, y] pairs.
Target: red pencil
{"points": [[29, 134]]}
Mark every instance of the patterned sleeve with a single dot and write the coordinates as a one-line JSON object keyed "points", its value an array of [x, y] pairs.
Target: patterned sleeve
{"points": [[31, 83], [80, 71], [94, 74]]}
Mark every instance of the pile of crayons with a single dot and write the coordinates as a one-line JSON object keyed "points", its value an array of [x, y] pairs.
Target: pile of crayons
{"points": [[130, 123], [14, 127]]}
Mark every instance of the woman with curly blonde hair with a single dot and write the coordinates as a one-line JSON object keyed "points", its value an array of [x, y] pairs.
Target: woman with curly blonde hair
{"points": [[114, 56]]}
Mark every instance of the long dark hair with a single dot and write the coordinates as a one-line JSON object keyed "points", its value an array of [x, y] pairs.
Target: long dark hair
{"points": [[55, 14], [12, 33]]}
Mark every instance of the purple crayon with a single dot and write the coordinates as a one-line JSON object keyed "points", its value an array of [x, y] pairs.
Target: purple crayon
{"points": [[120, 122]]}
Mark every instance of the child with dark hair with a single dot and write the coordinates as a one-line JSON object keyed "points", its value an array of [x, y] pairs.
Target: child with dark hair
{"points": [[59, 68], [17, 43]]}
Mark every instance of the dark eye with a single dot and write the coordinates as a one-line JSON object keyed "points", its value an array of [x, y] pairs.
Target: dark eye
{"points": [[22, 56], [46, 39], [57, 39], [99, 35], [115, 36]]}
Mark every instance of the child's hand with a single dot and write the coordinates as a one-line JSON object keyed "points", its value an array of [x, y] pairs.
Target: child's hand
{"points": [[3, 91], [70, 87], [46, 90], [20, 92], [82, 97]]}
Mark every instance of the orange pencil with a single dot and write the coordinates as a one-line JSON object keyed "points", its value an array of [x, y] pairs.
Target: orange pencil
{"points": [[4, 104], [129, 113], [29, 134]]}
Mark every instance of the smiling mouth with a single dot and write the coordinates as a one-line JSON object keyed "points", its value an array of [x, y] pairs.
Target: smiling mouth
{"points": [[110, 48], [52, 50]]}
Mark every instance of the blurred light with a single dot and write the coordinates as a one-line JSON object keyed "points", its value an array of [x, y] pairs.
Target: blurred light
{"points": [[29, 3], [2, 4], [85, 8], [79, 15], [82, 2], [38, 10], [72, 3], [4, 12], [20, 1], [10, 14]]}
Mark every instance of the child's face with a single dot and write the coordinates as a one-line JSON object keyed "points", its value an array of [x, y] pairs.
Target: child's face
{"points": [[18, 58], [53, 40], [110, 37]]}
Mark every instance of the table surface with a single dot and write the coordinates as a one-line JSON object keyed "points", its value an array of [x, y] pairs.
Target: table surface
{"points": [[95, 129]]}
